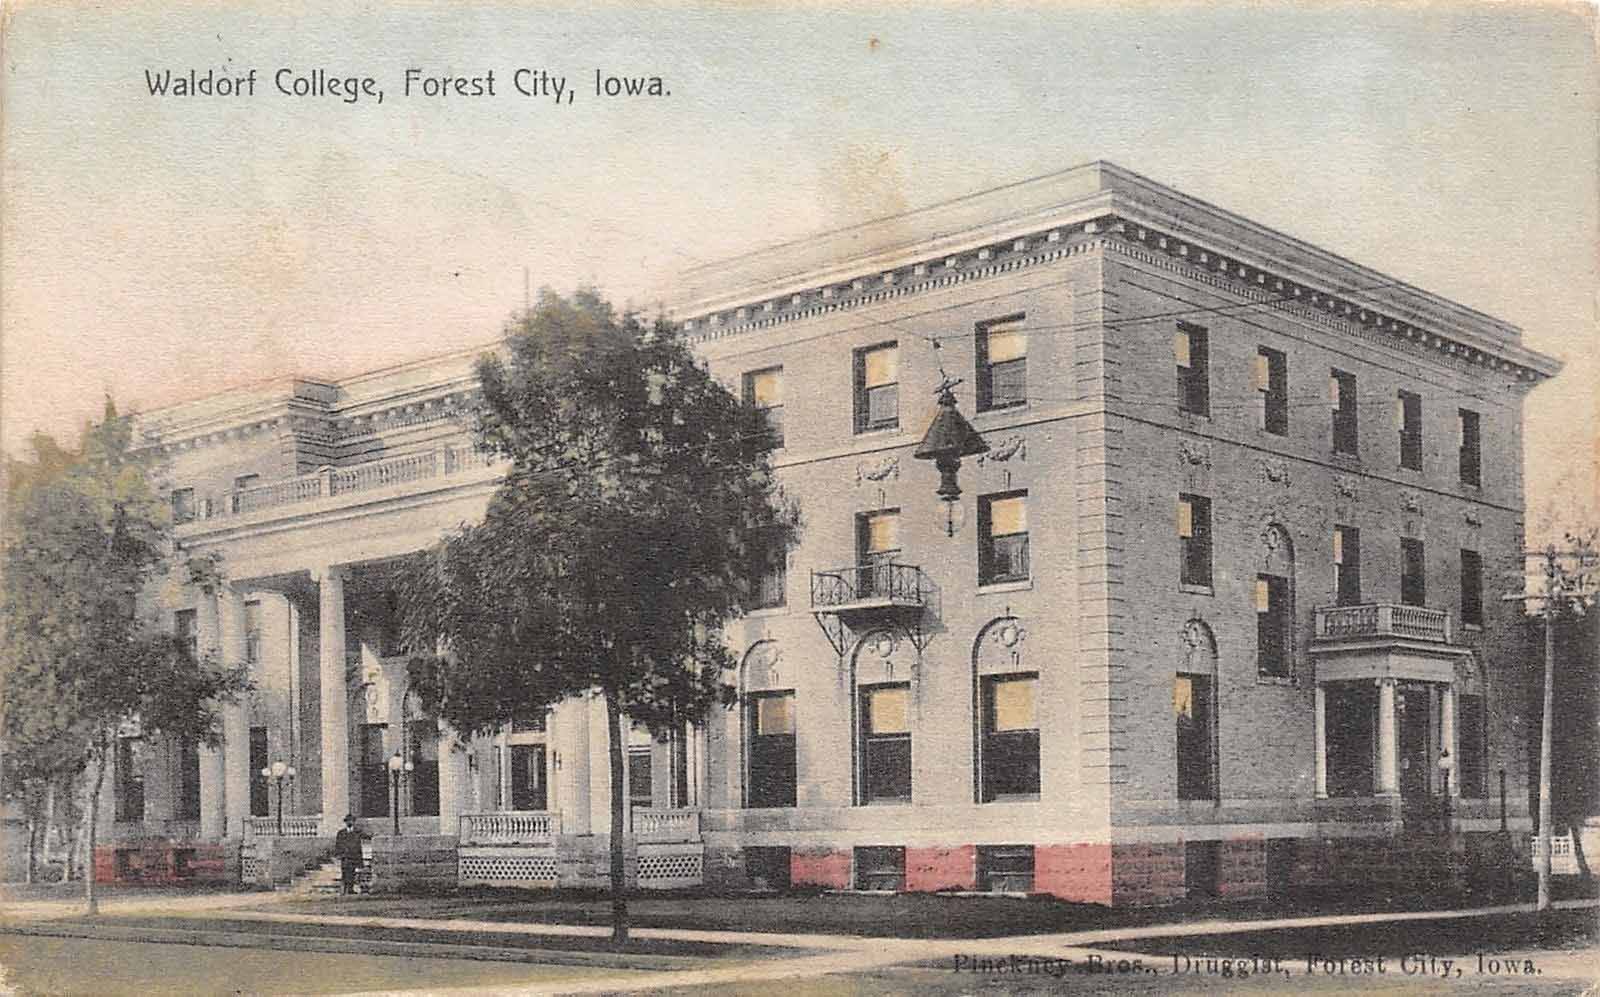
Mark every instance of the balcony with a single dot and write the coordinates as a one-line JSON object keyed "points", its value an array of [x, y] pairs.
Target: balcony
{"points": [[849, 601], [1379, 620]]}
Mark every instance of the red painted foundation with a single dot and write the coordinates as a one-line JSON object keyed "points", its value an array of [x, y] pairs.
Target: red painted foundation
{"points": [[160, 863], [819, 867], [930, 869], [1074, 872]]}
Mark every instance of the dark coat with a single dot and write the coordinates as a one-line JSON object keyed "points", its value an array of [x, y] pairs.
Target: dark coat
{"points": [[347, 844]]}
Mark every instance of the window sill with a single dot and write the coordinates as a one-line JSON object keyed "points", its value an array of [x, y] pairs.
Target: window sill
{"points": [[779, 610], [1279, 680], [747, 808], [1187, 414], [1472, 628], [1002, 409], [1196, 589], [878, 430], [1016, 585], [1014, 798], [898, 801], [1346, 458]]}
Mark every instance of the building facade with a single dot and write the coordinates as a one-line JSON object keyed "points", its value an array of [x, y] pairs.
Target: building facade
{"points": [[1224, 588]]}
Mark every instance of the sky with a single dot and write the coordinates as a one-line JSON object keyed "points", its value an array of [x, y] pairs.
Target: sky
{"points": [[159, 248]]}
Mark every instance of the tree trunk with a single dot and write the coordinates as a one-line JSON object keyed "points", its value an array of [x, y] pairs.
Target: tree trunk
{"points": [[92, 817], [33, 849], [619, 899]]}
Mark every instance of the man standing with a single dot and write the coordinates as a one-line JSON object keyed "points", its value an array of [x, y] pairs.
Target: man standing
{"points": [[347, 847]]}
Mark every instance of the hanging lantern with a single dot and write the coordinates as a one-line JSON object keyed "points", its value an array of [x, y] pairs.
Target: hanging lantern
{"points": [[948, 439]]}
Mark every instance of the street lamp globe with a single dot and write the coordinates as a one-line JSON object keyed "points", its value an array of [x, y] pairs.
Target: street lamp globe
{"points": [[279, 770], [396, 763]]}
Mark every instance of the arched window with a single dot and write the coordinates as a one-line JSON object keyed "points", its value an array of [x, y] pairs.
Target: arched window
{"points": [[884, 667], [1274, 604], [1006, 698], [1194, 709], [769, 724]]}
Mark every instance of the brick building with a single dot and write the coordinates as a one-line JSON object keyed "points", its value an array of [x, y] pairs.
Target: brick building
{"points": [[1227, 578]]}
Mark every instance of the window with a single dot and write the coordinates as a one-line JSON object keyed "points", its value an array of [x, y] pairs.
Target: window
{"points": [[424, 774], [1471, 764], [1413, 574], [1408, 421], [1010, 748], [1002, 350], [129, 767], [1471, 448], [1005, 868], [880, 867], [1192, 708], [878, 388], [640, 778], [252, 631], [188, 781], [1352, 713], [1271, 375], [1346, 432], [1471, 588], [259, 788], [182, 505], [1274, 625], [374, 771], [184, 628], [1002, 538], [240, 484], [1194, 539], [877, 547], [1202, 865], [1190, 348], [529, 725], [764, 390], [772, 559], [772, 750], [528, 790], [886, 743], [767, 866], [1346, 565]]}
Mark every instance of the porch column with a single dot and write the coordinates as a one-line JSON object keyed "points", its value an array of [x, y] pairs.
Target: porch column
{"points": [[1388, 746], [453, 779], [335, 706], [1447, 735], [235, 724], [212, 775], [1321, 719]]}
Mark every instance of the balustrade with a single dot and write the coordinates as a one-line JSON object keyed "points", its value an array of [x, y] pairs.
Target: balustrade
{"points": [[361, 477], [1383, 620], [650, 824], [294, 826], [525, 827]]}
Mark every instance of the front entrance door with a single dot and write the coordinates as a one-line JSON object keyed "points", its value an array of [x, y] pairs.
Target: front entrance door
{"points": [[1412, 705], [527, 778]]}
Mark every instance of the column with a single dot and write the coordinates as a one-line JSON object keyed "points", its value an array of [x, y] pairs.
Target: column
{"points": [[453, 777], [212, 775], [1321, 718], [335, 709], [1388, 746], [1447, 735], [235, 723]]}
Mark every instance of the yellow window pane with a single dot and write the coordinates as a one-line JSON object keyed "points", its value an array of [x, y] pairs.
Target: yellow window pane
{"points": [[888, 710], [1260, 373], [766, 388], [1185, 519], [1014, 704], [1183, 697], [1180, 347], [881, 366], [1007, 516], [1338, 546], [775, 715], [883, 533], [1263, 595], [1400, 413], [1334, 394], [1007, 343]]}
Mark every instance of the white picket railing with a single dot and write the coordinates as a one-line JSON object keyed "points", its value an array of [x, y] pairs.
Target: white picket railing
{"points": [[651, 824], [512, 827], [294, 826], [330, 481]]}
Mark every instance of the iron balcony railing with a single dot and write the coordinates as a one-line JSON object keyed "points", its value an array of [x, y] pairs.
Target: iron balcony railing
{"points": [[881, 582], [1383, 619]]}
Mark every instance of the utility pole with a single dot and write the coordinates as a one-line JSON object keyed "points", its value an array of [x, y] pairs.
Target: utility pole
{"points": [[1567, 587]]}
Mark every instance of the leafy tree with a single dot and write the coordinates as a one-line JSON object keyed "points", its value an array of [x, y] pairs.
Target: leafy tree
{"points": [[85, 539], [637, 516]]}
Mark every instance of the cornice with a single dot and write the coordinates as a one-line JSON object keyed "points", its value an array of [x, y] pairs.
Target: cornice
{"points": [[1343, 312]]}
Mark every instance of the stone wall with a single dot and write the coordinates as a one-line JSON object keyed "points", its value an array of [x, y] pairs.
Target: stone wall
{"points": [[413, 862]]}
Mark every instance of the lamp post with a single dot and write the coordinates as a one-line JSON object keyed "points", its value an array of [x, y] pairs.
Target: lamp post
{"points": [[397, 764], [278, 772], [1446, 763], [948, 439]]}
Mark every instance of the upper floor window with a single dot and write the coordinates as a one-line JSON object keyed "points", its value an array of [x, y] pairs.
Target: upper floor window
{"points": [[1408, 420], [877, 547], [1413, 573], [1346, 565], [1471, 588], [1010, 748], [252, 631], [878, 388], [188, 780], [1271, 376], [1274, 625], [1346, 432], [772, 750], [241, 484], [1002, 538], [183, 507], [1002, 350], [771, 561], [185, 628], [1471, 448], [886, 743], [1194, 539], [764, 390], [1191, 349]]}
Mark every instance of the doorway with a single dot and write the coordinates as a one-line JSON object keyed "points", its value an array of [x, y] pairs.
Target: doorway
{"points": [[1412, 702], [528, 791]]}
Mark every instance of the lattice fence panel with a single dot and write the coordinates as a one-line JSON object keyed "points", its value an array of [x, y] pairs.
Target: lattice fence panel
{"points": [[490, 870], [670, 869], [253, 869]]}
